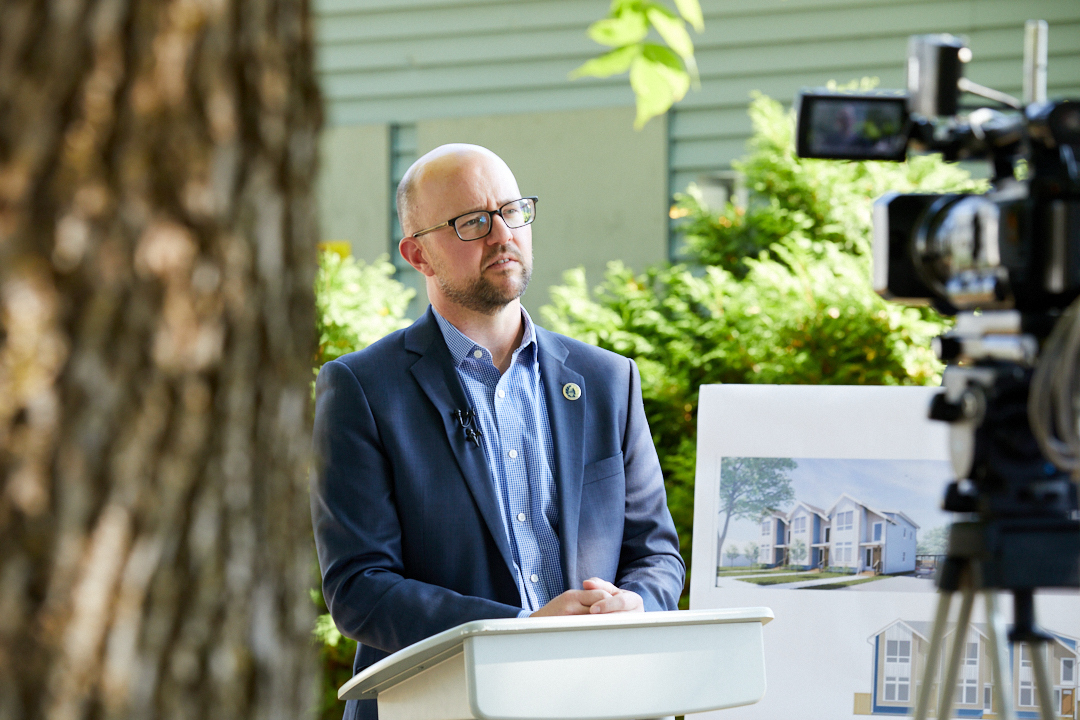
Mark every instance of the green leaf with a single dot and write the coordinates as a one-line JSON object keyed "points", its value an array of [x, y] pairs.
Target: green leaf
{"points": [[673, 30], [610, 63], [626, 29], [691, 10], [657, 83], [326, 631], [664, 56]]}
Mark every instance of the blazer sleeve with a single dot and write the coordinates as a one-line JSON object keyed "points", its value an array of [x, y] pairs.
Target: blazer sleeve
{"points": [[358, 534], [649, 562]]}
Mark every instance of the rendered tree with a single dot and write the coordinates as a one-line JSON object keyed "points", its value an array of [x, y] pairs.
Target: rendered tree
{"points": [[798, 552], [732, 554], [751, 550], [934, 542], [749, 487], [157, 254]]}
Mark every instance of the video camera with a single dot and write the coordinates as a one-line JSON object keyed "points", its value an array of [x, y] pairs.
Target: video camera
{"points": [[1007, 263], [1016, 246]]}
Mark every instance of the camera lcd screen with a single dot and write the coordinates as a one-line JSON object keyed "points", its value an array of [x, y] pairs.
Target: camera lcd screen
{"points": [[852, 127]]}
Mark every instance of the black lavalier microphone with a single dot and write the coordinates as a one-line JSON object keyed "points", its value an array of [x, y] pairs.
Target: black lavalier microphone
{"points": [[470, 423]]}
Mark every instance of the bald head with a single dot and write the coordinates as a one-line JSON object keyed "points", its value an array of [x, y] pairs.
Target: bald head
{"points": [[444, 164]]}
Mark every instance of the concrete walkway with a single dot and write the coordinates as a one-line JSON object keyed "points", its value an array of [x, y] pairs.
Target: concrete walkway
{"points": [[898, 584]]}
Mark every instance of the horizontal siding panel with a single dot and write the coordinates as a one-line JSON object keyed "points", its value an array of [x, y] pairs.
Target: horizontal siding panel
{"points": [[994, 44], [694, 124], [680, 179], [384, 54], [457, 20], [706, 154], [576, 96], [454, 81]]}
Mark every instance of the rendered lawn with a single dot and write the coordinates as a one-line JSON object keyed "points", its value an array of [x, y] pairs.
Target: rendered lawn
{"points": [[799, 577], [849, 583]]}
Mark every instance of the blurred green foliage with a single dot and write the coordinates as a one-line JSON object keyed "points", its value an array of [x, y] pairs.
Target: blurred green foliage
{"points": [[356, 304], [778, 292]]}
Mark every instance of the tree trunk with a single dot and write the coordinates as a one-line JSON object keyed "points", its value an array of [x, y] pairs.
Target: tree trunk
{"points": [[157, 254]]}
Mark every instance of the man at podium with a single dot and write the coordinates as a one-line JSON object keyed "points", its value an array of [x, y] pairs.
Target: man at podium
{"points": [[475, 465]]}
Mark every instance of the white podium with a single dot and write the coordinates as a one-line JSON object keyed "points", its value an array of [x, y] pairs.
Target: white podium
{"points": [[605, 667]]}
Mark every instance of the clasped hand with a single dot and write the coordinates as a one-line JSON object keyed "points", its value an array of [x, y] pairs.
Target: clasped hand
{"points": [[596, 596]]}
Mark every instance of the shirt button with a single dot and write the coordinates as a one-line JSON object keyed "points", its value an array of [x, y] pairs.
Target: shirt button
{"points": [[512, 453], [521, 517], [534, 578], [478, 354], [501, 393]]}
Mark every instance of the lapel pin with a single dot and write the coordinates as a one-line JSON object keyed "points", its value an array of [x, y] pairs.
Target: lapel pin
{"points": [[571, 391]]}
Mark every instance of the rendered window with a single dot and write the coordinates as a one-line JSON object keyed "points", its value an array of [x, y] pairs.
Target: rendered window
{"points": [[988, 699], [765, 528], [897, 670], [1068, 671], [877, 532], [968, 689], [844, 520], [1027, 689]]}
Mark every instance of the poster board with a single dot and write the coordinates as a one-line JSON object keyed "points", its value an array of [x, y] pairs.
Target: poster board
{"points": [[866, 465]]}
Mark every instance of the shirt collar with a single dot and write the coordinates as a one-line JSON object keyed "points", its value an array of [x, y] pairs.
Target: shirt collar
{"points": [[461, 346]]}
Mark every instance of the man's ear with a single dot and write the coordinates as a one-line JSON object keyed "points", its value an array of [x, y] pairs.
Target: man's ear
{"points": [[413, 251]]}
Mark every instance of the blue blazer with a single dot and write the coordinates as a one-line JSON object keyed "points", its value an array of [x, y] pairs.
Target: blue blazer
{"points": [[407, 522]]}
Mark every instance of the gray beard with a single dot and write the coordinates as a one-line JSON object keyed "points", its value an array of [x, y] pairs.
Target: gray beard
{"points": [[483, 297]]}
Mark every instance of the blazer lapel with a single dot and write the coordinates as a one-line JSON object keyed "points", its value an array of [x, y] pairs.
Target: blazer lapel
{"points": [[435, 373], [568, 436]]}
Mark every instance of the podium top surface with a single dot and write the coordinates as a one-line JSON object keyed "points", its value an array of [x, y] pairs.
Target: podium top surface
{"points": [[449, 642]]}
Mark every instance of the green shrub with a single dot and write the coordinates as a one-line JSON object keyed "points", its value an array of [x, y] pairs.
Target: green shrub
{"points": [[777, 293], [356, 303]]}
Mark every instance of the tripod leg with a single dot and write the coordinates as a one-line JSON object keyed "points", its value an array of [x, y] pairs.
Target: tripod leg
{"points": [[933, 655], [999, 663], [1042, 681], [956, 655]]}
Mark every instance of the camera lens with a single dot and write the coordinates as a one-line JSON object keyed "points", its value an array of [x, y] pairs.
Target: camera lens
{"points": [[957, 252]]}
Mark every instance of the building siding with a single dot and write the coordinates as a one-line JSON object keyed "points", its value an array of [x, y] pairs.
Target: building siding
{"points": [[388, 64]]}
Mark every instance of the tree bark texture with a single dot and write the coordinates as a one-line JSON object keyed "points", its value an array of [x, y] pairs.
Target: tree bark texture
{"points": [[157, 256]]}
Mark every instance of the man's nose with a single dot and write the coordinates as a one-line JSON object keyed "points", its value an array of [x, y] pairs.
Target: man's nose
{"points": [[500, 233]]}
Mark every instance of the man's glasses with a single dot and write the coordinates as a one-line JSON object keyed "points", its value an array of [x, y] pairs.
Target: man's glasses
{"points": [[477, 224]]}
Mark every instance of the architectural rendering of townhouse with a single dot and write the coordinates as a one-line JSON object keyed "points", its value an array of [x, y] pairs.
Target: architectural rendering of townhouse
{"points": [[850, 535], [899, 658]]}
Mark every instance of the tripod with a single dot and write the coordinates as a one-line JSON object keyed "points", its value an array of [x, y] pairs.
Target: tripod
{"points": [[963, 573], [1023, 533]]}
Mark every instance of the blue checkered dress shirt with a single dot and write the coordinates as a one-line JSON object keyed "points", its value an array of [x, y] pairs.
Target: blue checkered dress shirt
{"points": [[517, 443]]}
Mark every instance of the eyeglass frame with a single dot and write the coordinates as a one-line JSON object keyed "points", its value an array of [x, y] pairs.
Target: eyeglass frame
{"points": [[490, 213]]}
